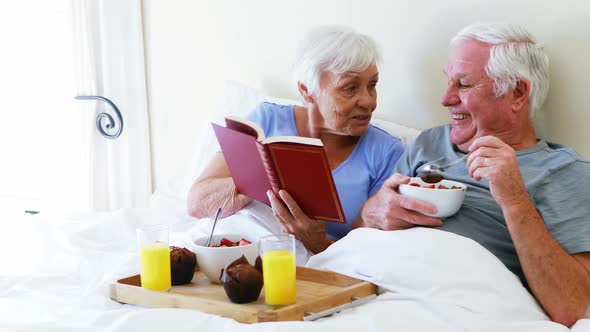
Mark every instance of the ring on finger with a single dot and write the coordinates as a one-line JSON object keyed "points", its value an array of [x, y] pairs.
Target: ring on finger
{"points": [[485, 162]]}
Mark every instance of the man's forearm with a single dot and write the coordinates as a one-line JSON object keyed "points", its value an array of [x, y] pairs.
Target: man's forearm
{"points": [[559, 282]]}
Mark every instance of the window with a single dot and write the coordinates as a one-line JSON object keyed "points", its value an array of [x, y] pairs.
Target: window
{"points": [[40, 130]]}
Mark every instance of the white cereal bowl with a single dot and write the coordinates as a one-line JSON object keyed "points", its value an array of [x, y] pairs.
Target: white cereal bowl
{"points": [[212, 259], [447, 201]]}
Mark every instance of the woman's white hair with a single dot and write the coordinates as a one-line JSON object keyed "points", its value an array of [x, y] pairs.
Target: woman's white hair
{"points": [[514, 54], [336, 49]]}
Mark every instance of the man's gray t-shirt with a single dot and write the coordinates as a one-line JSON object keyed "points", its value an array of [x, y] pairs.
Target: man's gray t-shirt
{"points": [[557, 180]]}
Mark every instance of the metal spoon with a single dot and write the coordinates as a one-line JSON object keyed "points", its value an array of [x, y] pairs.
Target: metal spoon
{"points": [[433, 173], [213, 228]]}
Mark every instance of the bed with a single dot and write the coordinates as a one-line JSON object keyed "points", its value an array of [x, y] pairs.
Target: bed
{"points": [[57, 268]]}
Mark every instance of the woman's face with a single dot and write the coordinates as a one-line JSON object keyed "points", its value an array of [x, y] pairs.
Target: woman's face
{"points": [[346, 101]]}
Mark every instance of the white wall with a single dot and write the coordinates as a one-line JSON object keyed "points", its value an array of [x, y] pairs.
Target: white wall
{"points": [[193, 46]]}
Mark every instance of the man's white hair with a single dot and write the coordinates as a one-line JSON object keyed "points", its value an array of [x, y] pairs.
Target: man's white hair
{"points": [[336, 49], [515, 54]]}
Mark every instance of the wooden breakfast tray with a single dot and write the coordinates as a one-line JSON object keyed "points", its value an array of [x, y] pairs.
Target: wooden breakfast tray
{"points": [[319, 293]]}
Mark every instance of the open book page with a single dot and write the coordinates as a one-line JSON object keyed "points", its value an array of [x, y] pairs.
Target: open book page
{"points": [[253, 129], [245, 126], [293, 139]]}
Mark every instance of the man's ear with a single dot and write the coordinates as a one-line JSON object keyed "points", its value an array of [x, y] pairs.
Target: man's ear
{"points": [[305, 93], [521, 94]]}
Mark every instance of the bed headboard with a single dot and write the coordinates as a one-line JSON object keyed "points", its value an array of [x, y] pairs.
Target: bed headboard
{"points": [[192, 49]]}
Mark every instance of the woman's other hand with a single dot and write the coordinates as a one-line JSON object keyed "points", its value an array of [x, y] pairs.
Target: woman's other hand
{"points": [[311, 232]]}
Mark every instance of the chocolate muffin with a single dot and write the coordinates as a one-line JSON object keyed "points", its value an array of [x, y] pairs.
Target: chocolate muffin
{"points": [[182, 263], [241, 281]]}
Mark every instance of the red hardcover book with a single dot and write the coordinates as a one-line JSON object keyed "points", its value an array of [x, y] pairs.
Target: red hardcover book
{"points": [[298, 165]]}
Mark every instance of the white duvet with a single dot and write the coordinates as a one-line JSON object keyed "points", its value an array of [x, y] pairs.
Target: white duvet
{"points": [[56, 270]]}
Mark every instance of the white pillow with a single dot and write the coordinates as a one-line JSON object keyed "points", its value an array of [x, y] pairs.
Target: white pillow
{"points": [[240, 99], [236, 99], [406, 134]]}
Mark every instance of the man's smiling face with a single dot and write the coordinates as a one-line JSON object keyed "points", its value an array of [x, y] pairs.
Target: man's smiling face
{"points": [[470, 96]]}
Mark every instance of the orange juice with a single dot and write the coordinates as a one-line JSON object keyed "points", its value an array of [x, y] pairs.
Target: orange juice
{"points": [[278, 269], [155, 266]]}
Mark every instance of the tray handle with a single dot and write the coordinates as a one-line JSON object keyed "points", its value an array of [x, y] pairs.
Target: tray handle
{"points": [[354, 301]]}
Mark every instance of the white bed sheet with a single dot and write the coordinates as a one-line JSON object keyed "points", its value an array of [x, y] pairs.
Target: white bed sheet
{"points": [[56, 271]]}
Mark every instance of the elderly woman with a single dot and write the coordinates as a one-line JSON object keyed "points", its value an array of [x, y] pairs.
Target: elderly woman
{"points": [[336, 73]]}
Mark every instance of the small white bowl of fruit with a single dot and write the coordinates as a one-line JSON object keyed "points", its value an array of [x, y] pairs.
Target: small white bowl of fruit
{"points": [[224, 249], [446, 195]]}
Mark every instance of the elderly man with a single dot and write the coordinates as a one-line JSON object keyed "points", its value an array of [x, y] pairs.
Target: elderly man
{"points": [[528, 199]]}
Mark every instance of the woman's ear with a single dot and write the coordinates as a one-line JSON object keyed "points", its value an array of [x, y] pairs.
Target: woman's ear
{"points": [[305, 93], [521, 95]]}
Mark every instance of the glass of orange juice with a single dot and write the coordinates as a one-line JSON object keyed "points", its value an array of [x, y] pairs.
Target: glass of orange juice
{"points": [[154, 254], [278, 269]]}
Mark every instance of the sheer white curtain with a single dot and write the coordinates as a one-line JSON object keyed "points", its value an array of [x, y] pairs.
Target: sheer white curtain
{"points": [[42, 167], [109, 58]]}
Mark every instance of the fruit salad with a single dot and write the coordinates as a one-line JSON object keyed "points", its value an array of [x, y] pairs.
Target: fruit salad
{"points": [[224, 242], [432, 186]]}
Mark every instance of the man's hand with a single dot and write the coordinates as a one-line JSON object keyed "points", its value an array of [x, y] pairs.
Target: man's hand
{"points": [[388, 210], [559, 281], [311, 232], [495, 161]]}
